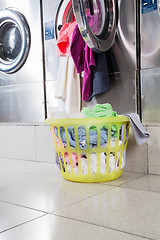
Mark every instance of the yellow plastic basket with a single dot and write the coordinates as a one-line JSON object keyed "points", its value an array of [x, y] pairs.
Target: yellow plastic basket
{"points": [[87, 163]]}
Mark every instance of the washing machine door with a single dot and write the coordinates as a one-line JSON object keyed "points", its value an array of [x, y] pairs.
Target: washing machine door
{"points": [[14, 40], [97, 21]]}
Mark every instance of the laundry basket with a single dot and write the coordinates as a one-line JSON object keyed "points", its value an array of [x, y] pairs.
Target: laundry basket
{"points": [[90, 149]]}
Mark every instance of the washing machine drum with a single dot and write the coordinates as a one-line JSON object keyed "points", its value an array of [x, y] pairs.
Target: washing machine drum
{"points": [[97, 21], [14, 40]]}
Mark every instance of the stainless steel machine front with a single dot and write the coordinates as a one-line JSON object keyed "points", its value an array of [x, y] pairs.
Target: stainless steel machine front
{"points": [[29, 61], [150, 60], [105, 25], [21, 62]]}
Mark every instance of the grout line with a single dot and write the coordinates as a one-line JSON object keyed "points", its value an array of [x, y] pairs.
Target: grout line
{"points": [[18, 225], [131, 180], [19, 205], [109, 183], [26, 160], [19, 159], [112, 187], [84, 199], [94, 224], [138, 189]]}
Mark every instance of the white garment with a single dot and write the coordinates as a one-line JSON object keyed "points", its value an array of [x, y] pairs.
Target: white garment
{"points": [[112, 162], [84, 165], [113, 142], [69, 169], [93, 158], [94, 163], [68, 85]]}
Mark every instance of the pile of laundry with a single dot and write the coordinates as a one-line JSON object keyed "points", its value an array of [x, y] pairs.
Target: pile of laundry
{"points": [[115, 158], [77, 61], [93, 161], [100, 110]]}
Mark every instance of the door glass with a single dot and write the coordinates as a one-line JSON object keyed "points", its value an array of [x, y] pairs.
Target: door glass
{"points": [[97, 21], [96, 15], [10, 41]]}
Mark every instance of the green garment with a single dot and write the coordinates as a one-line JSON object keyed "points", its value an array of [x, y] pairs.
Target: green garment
{"points": [[100, 110]]}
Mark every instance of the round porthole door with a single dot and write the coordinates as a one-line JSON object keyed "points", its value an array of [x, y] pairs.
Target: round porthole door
{"points": [[14, 40], [97, 21]]}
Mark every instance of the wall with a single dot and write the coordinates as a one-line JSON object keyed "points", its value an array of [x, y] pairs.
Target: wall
{"points": [[26, 142], [34, 143]]}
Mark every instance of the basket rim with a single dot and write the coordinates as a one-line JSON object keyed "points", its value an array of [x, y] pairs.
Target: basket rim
{"points": [[116, 119]]}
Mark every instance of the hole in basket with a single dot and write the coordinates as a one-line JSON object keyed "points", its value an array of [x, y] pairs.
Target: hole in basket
{"points": [[62, 140], [59, 161], [82, 137], [121, 136], [84, 164], [127, 133], [104, 136], [63, 137], [120, 159], [93, 136], [103, 163], [113, 164], [124, 132], [98, 161], [55, 132], [93, 158], [114, 131], [71, 137]]}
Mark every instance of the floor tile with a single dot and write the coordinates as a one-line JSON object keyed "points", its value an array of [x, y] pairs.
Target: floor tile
{"points": [[12, 178], [129, 210], [14, 172], [50, 193], [41, 169], [53, 227], [146, 183], [11, 165], [125, 177], [12, 215]]}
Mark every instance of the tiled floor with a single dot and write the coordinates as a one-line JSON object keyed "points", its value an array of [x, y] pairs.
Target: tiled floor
{"points": [[36, 203]]}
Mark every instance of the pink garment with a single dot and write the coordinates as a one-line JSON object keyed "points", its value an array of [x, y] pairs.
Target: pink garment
{"points": [[74, 159], [65, 38]]}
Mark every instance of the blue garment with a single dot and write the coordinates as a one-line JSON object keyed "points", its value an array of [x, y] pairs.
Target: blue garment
{"points": [[82, 137], [105, 63], [101, 82]]}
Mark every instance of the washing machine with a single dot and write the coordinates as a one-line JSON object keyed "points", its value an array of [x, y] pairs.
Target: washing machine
{"points": [[150, 60], [113, 29], [21, 62]]}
